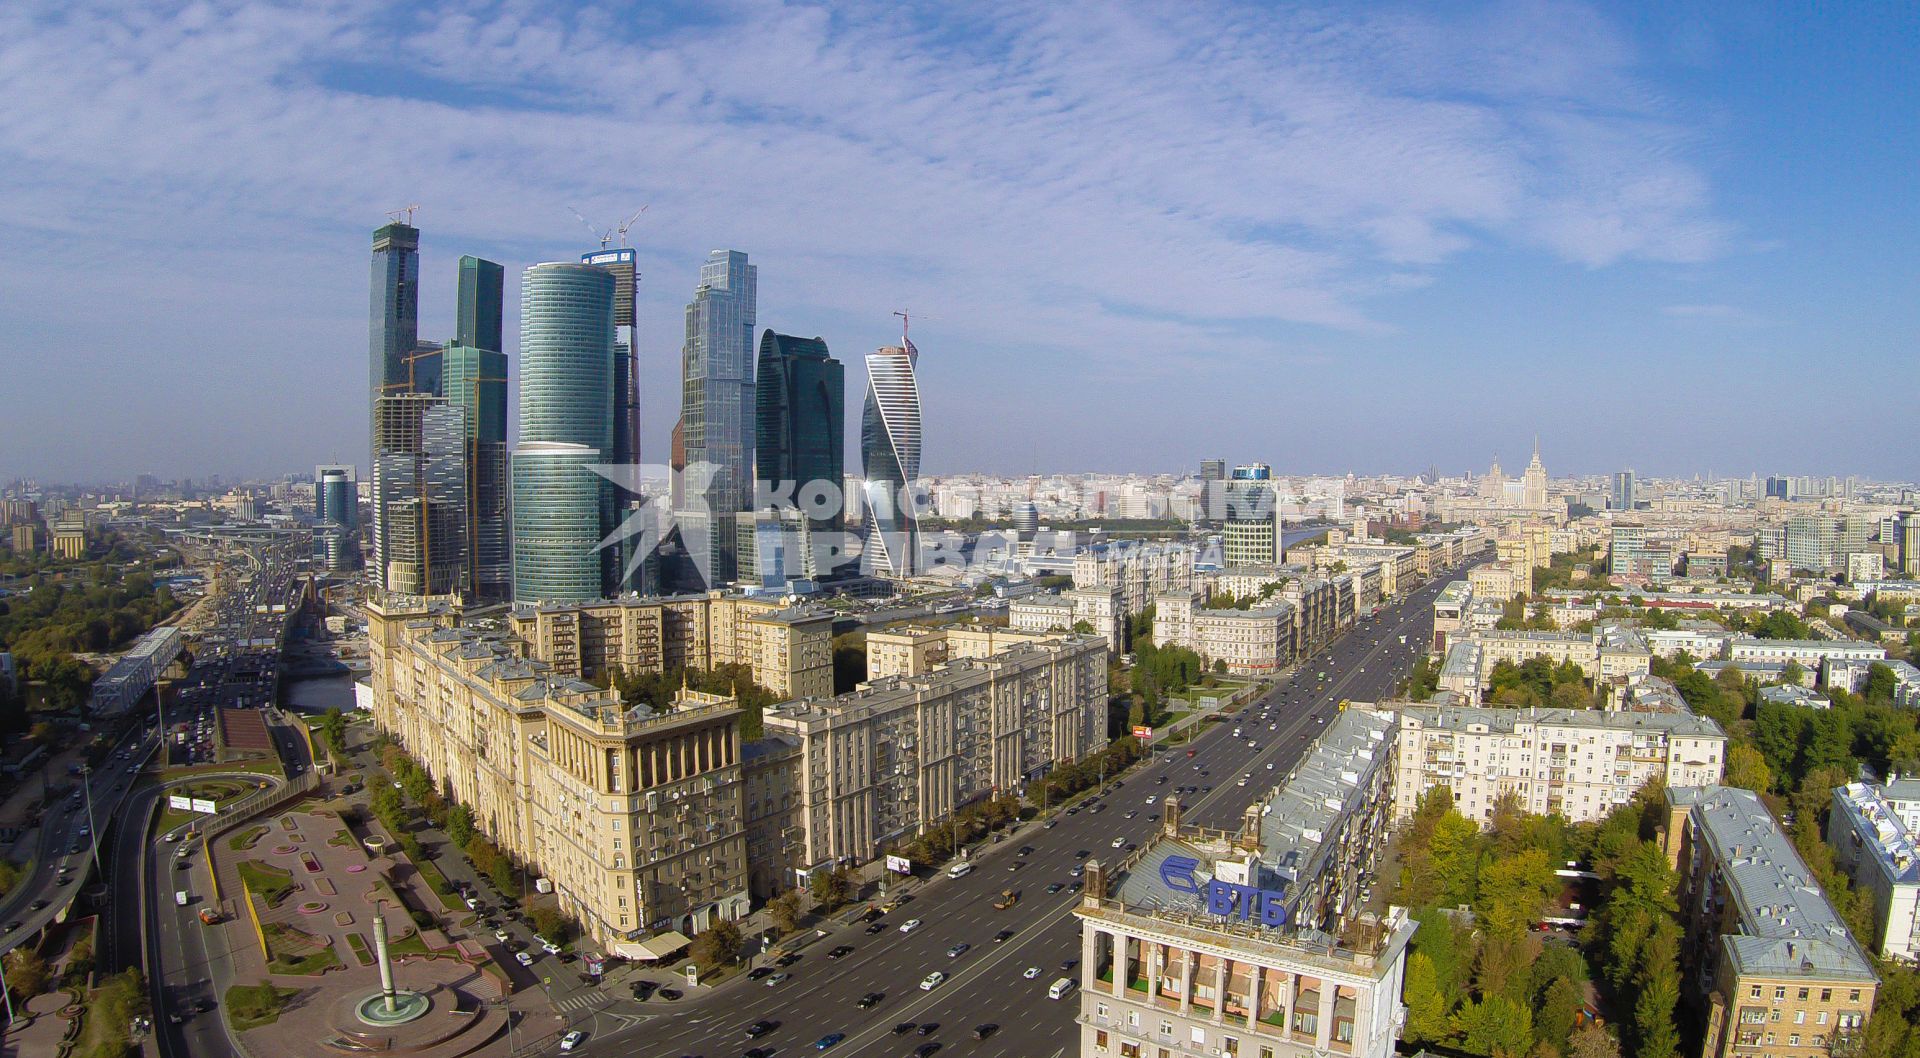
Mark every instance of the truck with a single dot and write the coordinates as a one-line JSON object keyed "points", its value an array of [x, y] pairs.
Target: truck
{"points": [[1008, 898]]}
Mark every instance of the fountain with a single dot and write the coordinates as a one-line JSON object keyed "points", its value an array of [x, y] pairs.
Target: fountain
{"points": [[390, 1006]]}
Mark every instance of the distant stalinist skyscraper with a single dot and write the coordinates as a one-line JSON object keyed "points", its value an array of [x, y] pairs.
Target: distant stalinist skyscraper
{"points": [[1533, 484]]}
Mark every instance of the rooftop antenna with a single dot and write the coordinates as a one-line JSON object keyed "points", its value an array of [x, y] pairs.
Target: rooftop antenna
{"points": [[628, 223], [394, 214], [605, 237]]}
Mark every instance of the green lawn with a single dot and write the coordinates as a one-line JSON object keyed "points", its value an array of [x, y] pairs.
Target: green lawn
{"points": [[360, 951], [437, 882], [269, 883], [411, 944], [248, 838], [251, 1006]]}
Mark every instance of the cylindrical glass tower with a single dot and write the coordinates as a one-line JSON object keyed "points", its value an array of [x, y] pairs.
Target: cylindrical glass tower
{"points": [[557, 504]]}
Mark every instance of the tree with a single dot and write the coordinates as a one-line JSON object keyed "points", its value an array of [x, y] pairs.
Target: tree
{"points": [[460, 825], [1592, 1041], [27, 972], [1456, 858], [1494, 1026], [551, 925], [1559, 1009], [1656, 1035], [1747, 768], [721, 943], [785, 911], [1427, 1005], [833, 888], [333, 730], [1514, 890]]}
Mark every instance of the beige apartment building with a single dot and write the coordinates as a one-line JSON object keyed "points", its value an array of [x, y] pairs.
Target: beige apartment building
{"points": [[1577, 763], [915, 650], [635, 815], [788, 648], [1102, 609], [904, 752], [1140, 570], [1766, 957], [1253, 641]]}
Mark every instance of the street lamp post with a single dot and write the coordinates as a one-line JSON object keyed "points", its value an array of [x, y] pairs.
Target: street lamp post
{"points": [[93, 832]]}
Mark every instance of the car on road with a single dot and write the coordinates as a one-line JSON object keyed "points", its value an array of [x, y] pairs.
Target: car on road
{"points": [[1030, 972], [37, 905], [549, 947], [981, 1032], [1077, 870], [828, 1040], [757, 1052], [958, 950], [502, 936], [841, 952], [871, 1000], [926, 1049], [928, 1028], [642, 990], [877, 927], [761, 1028], [1056, 887], [932, 981], [788, 959], [1117, 842], [903, 1028], [1002, 936], [572, 1040], [670, 994], [778, 978], [523, 958], [910, 925]]}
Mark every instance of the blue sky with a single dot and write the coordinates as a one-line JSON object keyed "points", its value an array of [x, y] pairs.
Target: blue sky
{"points": [[1357, 237]]}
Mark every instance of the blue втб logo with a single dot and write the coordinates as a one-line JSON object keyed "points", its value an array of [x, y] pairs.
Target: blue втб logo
{"points": [[1225, 899]]}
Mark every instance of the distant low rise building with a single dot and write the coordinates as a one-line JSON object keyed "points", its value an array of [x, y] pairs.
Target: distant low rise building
{"points": [[1102, 612], [1795, 695], [1254, 641]]}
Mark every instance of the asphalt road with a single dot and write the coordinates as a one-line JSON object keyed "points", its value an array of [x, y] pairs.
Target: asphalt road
{"points": [[986, 983], [65, 852]]}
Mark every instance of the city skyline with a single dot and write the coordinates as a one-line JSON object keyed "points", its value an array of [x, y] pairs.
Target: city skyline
{"points": [[1620, 211]]}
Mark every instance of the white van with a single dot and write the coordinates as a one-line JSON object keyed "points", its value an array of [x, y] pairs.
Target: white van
{"points": [[1060, 988], [180, 897], [960, 870]]}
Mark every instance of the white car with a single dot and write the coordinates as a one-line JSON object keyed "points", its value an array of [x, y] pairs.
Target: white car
{"points": [[502, 935], [910, 925], [1117, 842], [549, 947], [1031, 973], [523, 958], [932, 981], [572, 1040], [1153, 798], [1269, 765]]}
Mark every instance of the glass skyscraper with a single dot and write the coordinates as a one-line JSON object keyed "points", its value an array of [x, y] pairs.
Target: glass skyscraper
{"points": [[475, 381], [890, 456], [419, 495], [477, 313], [566, 426], [717, 408], [395, 313], [800, 451]]}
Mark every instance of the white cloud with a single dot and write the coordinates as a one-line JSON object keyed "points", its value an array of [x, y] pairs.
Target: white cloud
{"points": [[1143, 184]]}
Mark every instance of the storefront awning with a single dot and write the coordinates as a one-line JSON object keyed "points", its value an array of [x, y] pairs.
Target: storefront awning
{"points": [[653, 949]]}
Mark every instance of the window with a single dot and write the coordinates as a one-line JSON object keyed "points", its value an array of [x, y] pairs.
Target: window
{"points": [[1100, 1009], [1229, 1045], [1821, 1019], [1199, 1037], [1774, 1015], [1793, 1040], [1803, 995], [1780, 992], [1100, 1039], [1754, 992], [1853, 995], [1799, 1017], [1166, 1028], [1826, 995]]}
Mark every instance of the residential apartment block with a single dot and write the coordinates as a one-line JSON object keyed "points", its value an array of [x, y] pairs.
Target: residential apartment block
{"points": [[1254, 641], [1103, 610], [1139, 570], [1873, 844], [1578, 763], [1766, 957], [635, 815], [788, 648], [1215, 943], [904, 752]]}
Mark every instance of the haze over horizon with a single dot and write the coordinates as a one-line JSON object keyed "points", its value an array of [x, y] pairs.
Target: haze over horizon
{"points": [[1658, 237]]}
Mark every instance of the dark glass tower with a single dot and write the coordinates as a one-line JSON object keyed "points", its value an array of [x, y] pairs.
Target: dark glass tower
{"points": [[800, 446], [477, 317], [394, 315]]}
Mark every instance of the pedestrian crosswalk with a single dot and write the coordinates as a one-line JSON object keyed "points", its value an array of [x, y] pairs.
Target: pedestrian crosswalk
{"points": [[582, 1001]]}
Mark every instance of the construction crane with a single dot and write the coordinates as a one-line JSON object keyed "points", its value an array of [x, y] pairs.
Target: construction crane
{"points": [[394, 214], [605, 237], [628, 223]]}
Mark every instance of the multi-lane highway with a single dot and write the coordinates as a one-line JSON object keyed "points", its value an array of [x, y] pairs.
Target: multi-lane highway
{"points": [[68, 824], [988, 984]]}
